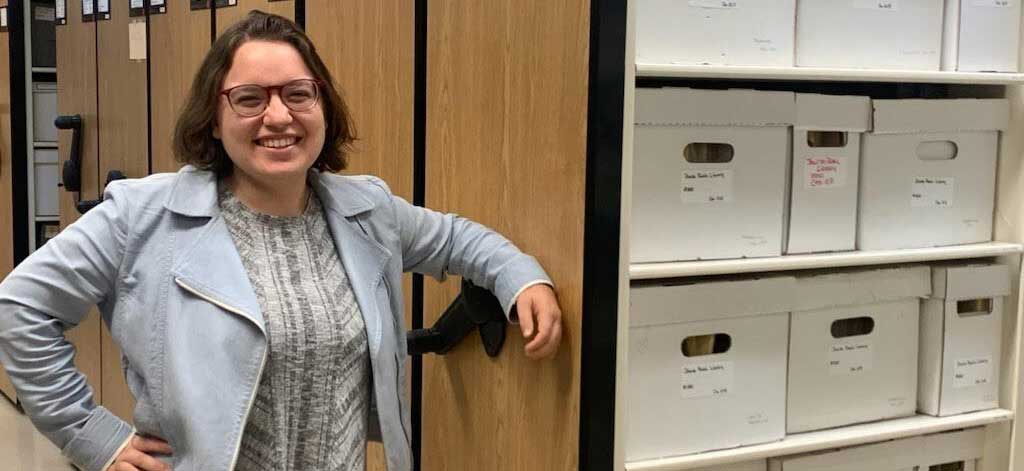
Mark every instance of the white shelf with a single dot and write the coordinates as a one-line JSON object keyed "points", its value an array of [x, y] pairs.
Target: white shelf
{"points": [[51, 70], [825, 439], [641, 271], [822, 74]]}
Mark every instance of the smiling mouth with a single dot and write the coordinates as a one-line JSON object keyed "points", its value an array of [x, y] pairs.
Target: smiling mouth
{"points": [[277, 142]]}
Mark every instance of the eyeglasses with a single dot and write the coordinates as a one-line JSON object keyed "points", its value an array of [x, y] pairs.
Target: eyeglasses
{"points": [[251, 100]]}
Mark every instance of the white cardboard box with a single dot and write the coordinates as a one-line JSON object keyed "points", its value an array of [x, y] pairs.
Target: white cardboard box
{"points": [[823, 202], [919, 453], [981, 35], [717, 209], [908, 182], [869, 34], [961, 339], [719, 32], [839, 375], [681, 404]]}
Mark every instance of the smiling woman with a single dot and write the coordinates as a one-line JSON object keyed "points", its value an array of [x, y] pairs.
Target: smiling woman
{"points": [[253, 293]]}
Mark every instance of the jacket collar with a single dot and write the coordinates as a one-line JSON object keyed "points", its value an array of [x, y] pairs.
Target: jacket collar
{"points": [[194, 193]]}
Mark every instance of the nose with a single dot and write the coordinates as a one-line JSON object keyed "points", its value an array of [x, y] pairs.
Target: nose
{"points": [[276, 114]]}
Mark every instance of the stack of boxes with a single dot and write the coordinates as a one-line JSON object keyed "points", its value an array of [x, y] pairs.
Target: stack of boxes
{"points": [[954, 35]]}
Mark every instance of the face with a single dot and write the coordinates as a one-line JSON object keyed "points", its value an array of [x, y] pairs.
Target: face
{"points": [[279, 144]]}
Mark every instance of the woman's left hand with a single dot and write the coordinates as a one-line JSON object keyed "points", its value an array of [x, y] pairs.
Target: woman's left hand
{"points": [[540, 318]]}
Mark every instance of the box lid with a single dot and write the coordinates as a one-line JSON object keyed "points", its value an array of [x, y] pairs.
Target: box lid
{"points": [[919, 115], [970, 281], [832, 112], [827, 290], [671, 304], [691, 107]]}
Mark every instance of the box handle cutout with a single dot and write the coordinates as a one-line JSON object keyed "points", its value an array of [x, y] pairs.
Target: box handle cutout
{"points": [[826, 139], [708, 152], [937, 150], [711, 344], [852, 327], [954, 466], [974, 307]]}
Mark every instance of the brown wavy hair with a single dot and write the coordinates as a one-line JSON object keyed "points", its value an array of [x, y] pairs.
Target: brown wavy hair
{"points": [[193, 133]]}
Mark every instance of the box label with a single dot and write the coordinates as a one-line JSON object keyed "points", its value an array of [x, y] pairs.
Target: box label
{"points": [[850, 358], [710, 186], [720, 4], [59, 9], [970, 372], [932, 192], [993, 3], [707, 380], [880, 5], [824, 172], [87, 7]]}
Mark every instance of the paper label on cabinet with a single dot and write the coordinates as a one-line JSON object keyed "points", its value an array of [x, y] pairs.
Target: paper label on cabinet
{"points": [[137, 3], [103, 6], [970, 372], [707, 380], [45, 14], [87, 7], [850, 358], [880, 5], [824, 172], [3, 17], [156, 3], [994, 3], [719, 4], [932, 192], [137, 40], [61, 9], [709, 186]]}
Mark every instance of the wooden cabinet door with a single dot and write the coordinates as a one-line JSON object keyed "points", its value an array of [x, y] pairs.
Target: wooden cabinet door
{"points": [[178, 40], [123, 137], [6, 195], [76, 94], [506, 146]]}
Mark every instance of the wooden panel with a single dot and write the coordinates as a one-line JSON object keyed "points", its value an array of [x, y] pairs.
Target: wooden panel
{"points": [[229, 15], [6, 195], [123, 145], [179, 40], [368, 46], [76, 94], [506, 146]]}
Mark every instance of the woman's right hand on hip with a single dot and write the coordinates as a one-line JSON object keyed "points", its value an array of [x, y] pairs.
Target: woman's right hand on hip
{"points": [[137, 456]]}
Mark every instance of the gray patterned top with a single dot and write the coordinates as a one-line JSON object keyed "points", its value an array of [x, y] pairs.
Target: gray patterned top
{"points": [[311, 406]]}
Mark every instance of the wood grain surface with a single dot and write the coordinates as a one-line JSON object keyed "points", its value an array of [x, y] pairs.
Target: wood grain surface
{"points": [[6, 195], [506, 146], [179, 39], [76, 94]]}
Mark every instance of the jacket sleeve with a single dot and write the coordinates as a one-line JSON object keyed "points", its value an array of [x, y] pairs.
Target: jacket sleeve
{"points": [[438, 244], [47, 294]]}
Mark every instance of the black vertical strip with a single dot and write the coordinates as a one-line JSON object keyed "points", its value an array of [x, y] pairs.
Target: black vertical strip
{"points": [[149, 94], [419, 198], [212, 4], [19, 146], [601, 234], [96, 92], [300, 13]]}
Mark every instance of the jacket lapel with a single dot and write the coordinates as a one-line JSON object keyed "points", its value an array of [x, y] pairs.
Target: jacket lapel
{"points": [[363, 258]]}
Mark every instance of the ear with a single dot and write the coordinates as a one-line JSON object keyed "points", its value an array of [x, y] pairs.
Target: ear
{"points": [[216, 131]]}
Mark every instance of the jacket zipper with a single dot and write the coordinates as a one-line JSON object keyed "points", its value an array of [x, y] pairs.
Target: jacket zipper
{"points": [[259, 375]]}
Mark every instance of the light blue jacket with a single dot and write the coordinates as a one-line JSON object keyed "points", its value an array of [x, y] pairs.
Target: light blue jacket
{"points": [[157, 259]]}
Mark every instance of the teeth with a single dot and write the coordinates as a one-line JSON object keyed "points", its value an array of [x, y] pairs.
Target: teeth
{"points": [[278, 143]]}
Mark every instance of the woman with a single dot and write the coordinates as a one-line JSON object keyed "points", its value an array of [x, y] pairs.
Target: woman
{"points": [[256, 296]]}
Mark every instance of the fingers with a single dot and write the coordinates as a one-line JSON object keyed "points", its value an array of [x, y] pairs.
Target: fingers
{"points": [[142, 461], [549, 324], [524, 307], [151, 445], [122, 466]]}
